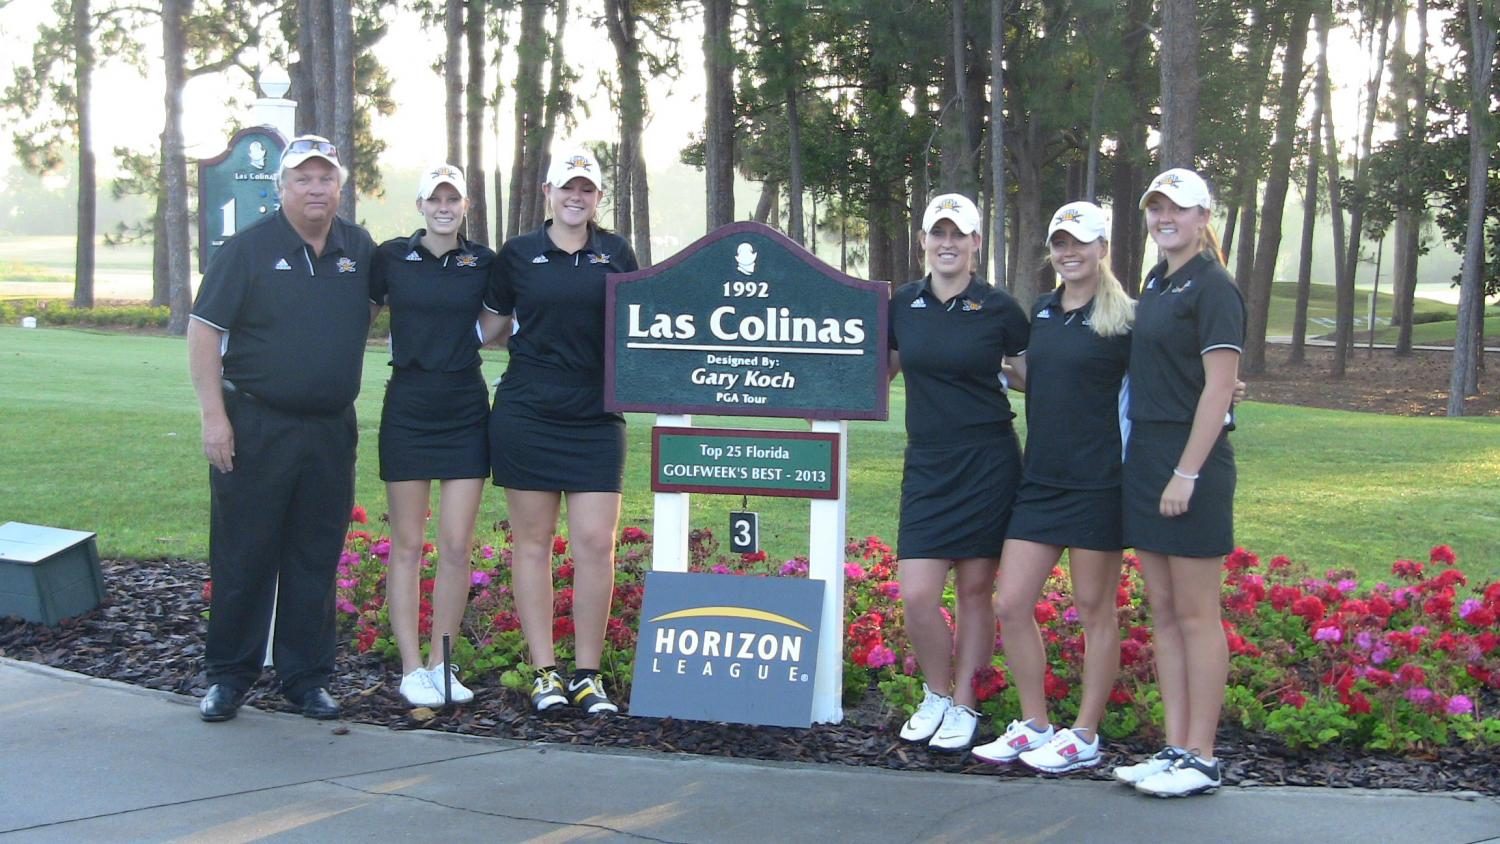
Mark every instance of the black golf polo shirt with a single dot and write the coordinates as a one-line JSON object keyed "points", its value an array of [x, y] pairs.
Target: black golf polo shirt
{"points": [[296, 322], [1178, 319], [951, 353], [434, 301], [557, 297], [1073, 379]]}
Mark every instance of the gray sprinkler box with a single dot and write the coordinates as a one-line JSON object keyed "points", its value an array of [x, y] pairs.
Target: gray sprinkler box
{"points": [[48, 574]]}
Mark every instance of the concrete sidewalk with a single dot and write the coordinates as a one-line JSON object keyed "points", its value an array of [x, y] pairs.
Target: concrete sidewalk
{"points": [[95, 760]]}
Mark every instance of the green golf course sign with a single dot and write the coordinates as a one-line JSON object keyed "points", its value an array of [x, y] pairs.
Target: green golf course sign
{"points": [[745, 322]]}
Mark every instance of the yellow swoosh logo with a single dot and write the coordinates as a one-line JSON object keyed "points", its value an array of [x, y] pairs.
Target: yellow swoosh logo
{"points": [[732, 612]]}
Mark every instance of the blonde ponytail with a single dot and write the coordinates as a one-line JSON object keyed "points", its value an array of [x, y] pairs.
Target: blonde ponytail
{"points": [[1114, 310], [1210, 241]]}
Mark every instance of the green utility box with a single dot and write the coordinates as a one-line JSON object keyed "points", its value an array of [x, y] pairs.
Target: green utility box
{"points": [[48, 574]]}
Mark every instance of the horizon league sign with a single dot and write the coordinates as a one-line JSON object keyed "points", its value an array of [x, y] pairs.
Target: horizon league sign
{"points": [[723, 647], [745, 322]]}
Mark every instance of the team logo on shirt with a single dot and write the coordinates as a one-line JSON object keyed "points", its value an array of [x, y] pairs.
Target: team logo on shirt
{"points": [[1044, 313], [598, 259], [973, 305], [281, 264], [1151, 283], [1185, 285], [346, 265], [413, 256], [919, 302], [540, 259], [467, 260]]}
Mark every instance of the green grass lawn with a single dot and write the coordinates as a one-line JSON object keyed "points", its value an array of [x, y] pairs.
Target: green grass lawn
{"points": [[100, 432]]}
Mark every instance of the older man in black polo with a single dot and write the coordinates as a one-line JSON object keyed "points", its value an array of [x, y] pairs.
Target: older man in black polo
{"points": [[275, 349]]}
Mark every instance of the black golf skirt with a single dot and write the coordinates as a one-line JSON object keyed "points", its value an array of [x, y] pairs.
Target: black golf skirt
{"points": [[432, 426], [546, 435], [1207, 528], [956, 500], [1070, 518]]}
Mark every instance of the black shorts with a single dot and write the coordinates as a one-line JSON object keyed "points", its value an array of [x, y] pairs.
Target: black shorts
{"points": [[555, 437], [432, 426], [1069, 518], [1207, 528], [955, 500]]}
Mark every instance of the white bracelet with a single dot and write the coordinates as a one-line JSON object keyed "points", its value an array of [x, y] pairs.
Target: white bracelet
{"points": [[1184, 475]]}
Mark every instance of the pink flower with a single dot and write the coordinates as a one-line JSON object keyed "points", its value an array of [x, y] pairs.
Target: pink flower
{"points": [[381, 549], [880, 656], [854, 571], [479, 577], [794, 567], [891, 589], [1328, 633], [1419, 695], [487, 552], [1460, 704]]}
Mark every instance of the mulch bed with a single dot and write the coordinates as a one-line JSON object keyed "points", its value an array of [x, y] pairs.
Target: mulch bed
{"points": [[1374, 382], [150, 633]]}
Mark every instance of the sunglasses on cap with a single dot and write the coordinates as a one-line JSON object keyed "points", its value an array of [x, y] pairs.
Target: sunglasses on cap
{"points": [[302, 145]]}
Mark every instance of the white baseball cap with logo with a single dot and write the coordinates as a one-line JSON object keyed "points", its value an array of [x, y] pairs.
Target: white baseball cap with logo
{"points": [[572, 163], [1083, 220], [441, 174], [303, 148], [952, 206], [1183, 187]]}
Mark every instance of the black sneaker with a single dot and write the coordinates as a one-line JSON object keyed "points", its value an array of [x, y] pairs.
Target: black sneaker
{"points": [[587, 693], [547, 691]]}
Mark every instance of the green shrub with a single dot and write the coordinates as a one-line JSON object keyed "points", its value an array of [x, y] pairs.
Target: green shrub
{"points": [[1424, 317], [57, 312]]}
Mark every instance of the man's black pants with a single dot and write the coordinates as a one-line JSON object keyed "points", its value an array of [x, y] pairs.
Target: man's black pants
{"points": [[276, 530]]}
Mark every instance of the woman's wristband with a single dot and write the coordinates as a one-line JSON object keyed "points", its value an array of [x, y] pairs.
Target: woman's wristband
{"points": [[1184, 475]]}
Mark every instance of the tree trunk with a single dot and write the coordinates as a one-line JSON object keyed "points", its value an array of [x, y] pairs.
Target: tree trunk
{"points": [[1304, 256], [343, 103], [1265, 35], [957, 159], [718, 63], [531, 55], [1032, 231], [1343, 281], [1127, 241], [453, 79], [997, 142], [83, 256], [477, 223], [794, 225], [1179, 83], [174, 167], [1466, 347], [1362, 152], [557, 99], [621, 20], [1231, 225], [766, 211], [161, 275], [1409, 221], [1258, 285]]}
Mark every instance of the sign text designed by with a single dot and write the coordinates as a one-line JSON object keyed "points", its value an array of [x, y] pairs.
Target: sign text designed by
{"points": [[745, 322]]}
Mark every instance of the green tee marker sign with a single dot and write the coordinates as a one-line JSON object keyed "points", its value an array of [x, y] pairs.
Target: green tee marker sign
{"points": [[745, 322], [789, 464], [237, 187]]}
